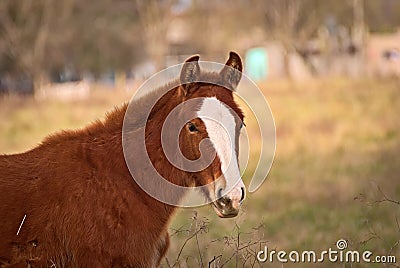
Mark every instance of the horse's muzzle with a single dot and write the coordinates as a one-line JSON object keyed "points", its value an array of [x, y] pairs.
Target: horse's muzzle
{"points": [[228, 206]]}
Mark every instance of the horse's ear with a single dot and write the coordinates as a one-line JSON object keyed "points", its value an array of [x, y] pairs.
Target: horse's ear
{"points": [[190, 72], [232, 71]]}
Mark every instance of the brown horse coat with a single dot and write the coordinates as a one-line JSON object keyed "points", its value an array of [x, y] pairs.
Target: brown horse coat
{"points": [[80, 203], [82, 207]]}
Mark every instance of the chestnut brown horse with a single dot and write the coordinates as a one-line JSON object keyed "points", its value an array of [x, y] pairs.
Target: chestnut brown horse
{"points": [[72, 201]]}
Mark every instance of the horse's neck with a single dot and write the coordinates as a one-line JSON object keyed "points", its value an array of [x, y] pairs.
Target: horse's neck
{"points": [[154, 144], [156, 152], [116, 161]]}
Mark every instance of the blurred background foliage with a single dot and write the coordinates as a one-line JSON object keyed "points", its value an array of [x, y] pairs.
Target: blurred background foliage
{"points": [[333, 86], [41, 38]]}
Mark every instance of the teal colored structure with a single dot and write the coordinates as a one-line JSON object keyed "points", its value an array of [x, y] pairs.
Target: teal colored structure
{"points": [[256, 64]]}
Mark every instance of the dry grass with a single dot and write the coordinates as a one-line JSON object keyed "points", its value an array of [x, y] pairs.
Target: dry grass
{"points": [[338, 155]]}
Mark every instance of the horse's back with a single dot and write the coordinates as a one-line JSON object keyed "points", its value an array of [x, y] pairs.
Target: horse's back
{"points": [[34, 204], [15, 184], [78, 207], [15, 193]]}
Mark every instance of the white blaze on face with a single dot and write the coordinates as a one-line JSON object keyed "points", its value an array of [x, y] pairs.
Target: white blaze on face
{"points": [[220, 125]]}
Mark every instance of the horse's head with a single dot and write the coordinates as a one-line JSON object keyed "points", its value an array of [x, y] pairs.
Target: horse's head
{"points": [[217, 120]]}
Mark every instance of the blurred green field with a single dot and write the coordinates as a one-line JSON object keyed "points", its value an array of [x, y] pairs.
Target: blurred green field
{"points": [[338, 155]]}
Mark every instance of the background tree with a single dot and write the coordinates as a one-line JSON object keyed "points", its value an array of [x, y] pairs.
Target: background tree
{"points": [[28, 32], [154, 17], [290, 22], [42, 36]]}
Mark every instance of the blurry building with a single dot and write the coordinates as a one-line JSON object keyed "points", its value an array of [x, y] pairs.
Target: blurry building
{"points": [[383, 54]]}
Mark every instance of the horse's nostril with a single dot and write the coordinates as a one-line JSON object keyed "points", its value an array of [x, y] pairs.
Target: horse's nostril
{"points": [[225, 201], [219, 193], [243, 194]]}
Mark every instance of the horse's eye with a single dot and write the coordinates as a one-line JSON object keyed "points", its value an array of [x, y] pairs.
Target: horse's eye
{"points": [[192, 127], [242, 125]]}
